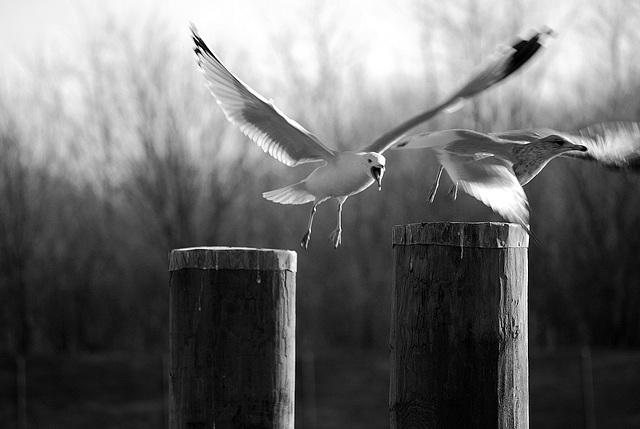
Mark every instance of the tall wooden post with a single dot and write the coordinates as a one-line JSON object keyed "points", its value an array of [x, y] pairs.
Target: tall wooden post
{"points": [[459, 333], [232, 338]]}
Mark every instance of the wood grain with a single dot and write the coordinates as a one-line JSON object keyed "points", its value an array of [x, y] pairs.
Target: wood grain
{"points": [[232, 338], [459, 346]]}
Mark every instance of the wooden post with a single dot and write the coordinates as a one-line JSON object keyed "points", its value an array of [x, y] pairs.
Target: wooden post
{"points": [[459, 334], [232, 338]]}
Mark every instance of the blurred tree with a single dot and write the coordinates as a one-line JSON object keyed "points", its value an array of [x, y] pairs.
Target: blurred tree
{"points": [[124, 155], [22, 212]]}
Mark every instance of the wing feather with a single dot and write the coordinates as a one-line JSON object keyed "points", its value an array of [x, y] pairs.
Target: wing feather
{"points": [[499, 66], [490, 180], [260, 120], [524, 136], [459, 141], [444, 138]]}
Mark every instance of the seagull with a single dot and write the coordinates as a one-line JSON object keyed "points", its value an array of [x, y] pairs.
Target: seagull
{"points": [[493, 167], [341, 174], [614, 145]]}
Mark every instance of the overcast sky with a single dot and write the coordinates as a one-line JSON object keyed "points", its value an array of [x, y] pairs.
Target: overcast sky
{"points": [[29, 27]]}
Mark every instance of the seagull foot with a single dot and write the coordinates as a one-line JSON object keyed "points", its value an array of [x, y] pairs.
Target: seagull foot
{"points": [[453, 191], [432, 192], [336, 237], [305, 240]]}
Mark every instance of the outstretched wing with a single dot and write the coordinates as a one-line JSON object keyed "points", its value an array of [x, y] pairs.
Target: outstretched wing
{"points": [[444, 138], [491, 180], [500, 65], [610, 144], [524, 136], [459, 142], [261, 121]]}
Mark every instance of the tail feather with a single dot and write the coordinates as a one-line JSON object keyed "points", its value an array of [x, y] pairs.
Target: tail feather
{"points": [[292, 194]]}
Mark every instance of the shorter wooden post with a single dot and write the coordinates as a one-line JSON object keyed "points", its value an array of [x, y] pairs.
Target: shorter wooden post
{"points": [[232, 338], [459, 340]]}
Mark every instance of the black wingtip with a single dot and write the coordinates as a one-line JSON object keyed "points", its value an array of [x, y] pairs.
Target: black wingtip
{"points": [[525, 49], [200, 47]]}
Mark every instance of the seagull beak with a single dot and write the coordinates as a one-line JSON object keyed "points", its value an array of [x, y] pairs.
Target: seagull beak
{"points": [[571, 148], [377, 172], [576, 147]]}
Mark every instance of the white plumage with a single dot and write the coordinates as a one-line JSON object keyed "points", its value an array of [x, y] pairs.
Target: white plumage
{"points": [[493, 167], [343, 173]]}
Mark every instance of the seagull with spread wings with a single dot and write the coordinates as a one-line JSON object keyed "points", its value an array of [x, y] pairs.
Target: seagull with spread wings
{"points": [[494, 167], [342, 174]]}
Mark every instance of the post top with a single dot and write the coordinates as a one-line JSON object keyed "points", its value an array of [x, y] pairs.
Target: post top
{"points": [[462, 234], [233, 258]]}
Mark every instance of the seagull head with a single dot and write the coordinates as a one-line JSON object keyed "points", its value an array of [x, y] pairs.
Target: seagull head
{"points": [[560, 145], [375, 164]]}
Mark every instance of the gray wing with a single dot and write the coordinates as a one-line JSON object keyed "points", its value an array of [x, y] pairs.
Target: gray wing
{"points": [[610, 144], [499, 66], [444, 138], [261, 121], [458, 141], [524, 136]]}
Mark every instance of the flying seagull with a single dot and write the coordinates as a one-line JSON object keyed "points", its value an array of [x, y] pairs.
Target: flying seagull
{"points": [[493, 167], [614, 145], [342, 174]]}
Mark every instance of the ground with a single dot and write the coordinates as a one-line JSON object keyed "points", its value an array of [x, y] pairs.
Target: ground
{"points": [[119, 391]]}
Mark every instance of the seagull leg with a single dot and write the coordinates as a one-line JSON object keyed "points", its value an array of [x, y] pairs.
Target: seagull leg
{"points": [[453, 191], [336, 234], [434, 187], [307, 236]]}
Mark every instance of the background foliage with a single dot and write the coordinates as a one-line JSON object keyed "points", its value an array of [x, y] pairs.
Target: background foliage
{"points": [[112, 159]]}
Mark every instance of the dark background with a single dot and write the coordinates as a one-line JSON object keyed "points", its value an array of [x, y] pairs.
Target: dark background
{"points": [[111, 159]]}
